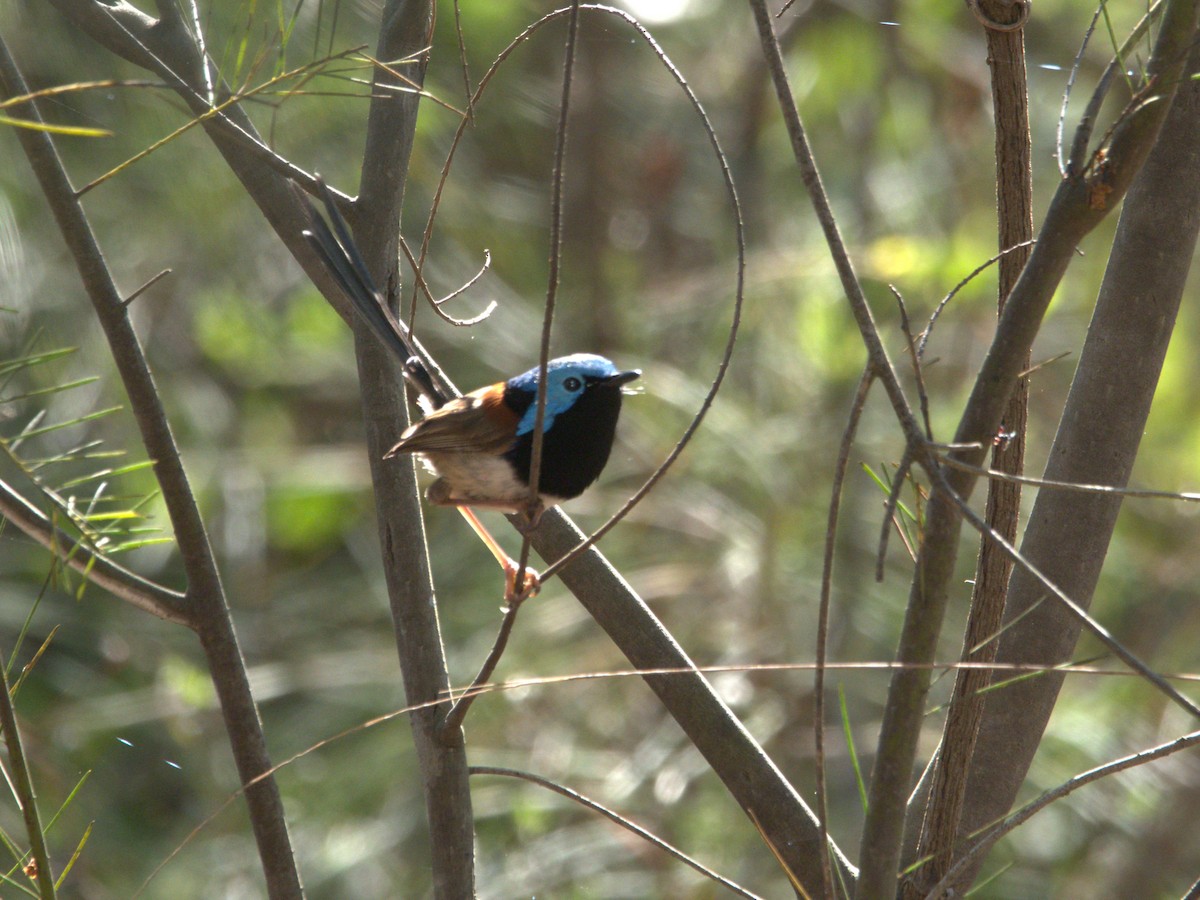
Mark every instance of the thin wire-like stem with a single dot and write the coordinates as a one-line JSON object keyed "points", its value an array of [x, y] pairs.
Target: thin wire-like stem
{"points": [[1066, 100], [1087, 122], [831, 527], [620, 820], [910, 345], [1135, 493], [552, 281], [823, 209], [735, 320], [978, 270]]}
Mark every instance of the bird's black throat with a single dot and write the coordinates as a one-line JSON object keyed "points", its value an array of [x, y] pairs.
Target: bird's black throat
{"points": [[575, 448]]}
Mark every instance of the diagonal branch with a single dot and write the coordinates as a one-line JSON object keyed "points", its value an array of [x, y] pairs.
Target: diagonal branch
{"points": [[146, 595]]}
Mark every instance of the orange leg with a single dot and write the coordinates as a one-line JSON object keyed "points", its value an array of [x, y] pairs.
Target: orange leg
{"points": [[532, 581]]}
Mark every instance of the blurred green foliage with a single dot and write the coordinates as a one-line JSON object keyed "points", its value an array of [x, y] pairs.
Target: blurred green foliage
{"points": [[258, 375]]}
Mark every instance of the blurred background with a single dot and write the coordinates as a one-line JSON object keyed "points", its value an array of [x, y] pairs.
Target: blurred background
{"points": [[258, 375]]}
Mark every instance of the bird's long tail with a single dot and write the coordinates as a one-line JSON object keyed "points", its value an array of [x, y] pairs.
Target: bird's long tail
{"points": [[337, 250]]}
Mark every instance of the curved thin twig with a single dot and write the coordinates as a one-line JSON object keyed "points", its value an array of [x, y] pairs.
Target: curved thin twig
{"points": [[738, 299], [419, 276], [831, 526], [958, 287], [690, 431], [625, 823]]}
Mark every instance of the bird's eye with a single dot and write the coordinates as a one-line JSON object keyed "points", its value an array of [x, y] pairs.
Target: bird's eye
{"points": [[572, 384]]}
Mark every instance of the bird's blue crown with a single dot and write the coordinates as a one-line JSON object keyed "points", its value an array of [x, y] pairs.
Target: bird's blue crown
{"points": [[566, 379]]}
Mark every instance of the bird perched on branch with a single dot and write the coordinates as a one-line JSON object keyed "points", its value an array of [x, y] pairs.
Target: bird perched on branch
{"points": [[481, 445]]}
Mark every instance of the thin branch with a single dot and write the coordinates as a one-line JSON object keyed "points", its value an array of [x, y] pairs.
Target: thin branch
{"points": [[620, 820], [1082, 135], [450, 725], [988, 840], [146, 595], [534, 507], [831, 527], [978, 270], [915, 358], [1134, 493], [735, 319], [1087, 122], [1105, 637], [146, 286], [811, 177]]}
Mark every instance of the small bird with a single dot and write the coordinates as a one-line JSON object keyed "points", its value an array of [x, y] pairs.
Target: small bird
{"points": [[481, 445]]}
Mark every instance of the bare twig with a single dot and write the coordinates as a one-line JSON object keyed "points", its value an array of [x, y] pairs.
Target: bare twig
{"points": [[97, 568], [958, 287], [449, 727], [811, 177], [735, 319], [1133, 493], [620, 820], [990, 837], [1098, 630], [146, 286], [533, 508], [831, 527]]}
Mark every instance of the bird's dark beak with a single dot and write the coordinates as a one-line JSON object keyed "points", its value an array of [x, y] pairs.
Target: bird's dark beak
{"points": [[622, 378]]}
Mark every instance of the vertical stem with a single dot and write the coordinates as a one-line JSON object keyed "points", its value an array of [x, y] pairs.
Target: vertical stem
{"points": [[1014, 208], [405, 32], [26, 795]]}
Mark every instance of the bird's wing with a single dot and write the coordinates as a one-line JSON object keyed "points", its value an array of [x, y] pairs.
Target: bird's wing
{"points": [[479, 422]]}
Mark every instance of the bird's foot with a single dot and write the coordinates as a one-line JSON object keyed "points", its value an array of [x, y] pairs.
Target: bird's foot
{"points": [[531, 583]]}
